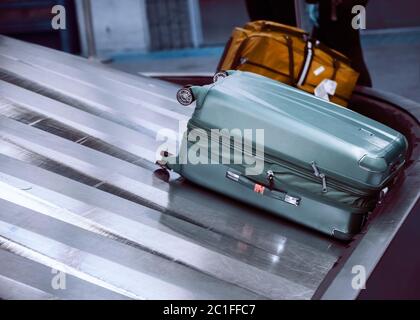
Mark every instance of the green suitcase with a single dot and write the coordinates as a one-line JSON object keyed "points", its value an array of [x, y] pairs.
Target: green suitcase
{"points": [[286, 151]]}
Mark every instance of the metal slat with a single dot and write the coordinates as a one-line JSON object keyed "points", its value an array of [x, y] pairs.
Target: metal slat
{"points": [[128, 91], [24, 106], [27, 279], [14, 290], [163, 90], [173, 247], [195, 256], [71, 230], [91, 268], [104, 104]]}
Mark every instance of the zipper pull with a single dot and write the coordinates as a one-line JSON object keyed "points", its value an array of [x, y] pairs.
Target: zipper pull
{"points": [[316, 172], [270, 178], [324, 182], [320, 175]]}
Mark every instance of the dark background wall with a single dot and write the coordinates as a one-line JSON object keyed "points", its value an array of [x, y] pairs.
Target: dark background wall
{"points": [[169, 21], [220, 16], [393, 276], [393, 14], [31, 21], [169, 24]]}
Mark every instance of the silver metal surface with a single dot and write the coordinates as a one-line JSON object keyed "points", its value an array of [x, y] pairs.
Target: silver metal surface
{"points": [[11, 289], [79, 193]]}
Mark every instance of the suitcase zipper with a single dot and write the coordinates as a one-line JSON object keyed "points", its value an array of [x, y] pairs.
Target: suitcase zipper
{"points": [[320, 175], [313, 176], [261, 189]]}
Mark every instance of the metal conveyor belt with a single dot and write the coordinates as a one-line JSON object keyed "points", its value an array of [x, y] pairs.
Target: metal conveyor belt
{"points": [[78, 194]]}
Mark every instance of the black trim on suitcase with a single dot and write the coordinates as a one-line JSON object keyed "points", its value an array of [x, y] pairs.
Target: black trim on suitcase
{"points": [[261, 189]]}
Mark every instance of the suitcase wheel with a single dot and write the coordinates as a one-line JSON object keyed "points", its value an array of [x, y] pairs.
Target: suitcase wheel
{"points": [[162, 174], [185, 96], [219, 75]]}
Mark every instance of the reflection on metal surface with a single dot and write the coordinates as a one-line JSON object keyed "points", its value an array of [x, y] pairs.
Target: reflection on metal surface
{"points": [[129, 231], [55, 263], [11, 289], [77, 151]]}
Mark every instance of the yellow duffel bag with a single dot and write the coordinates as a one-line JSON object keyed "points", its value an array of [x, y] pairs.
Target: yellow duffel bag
{"points": [[289, 55]]}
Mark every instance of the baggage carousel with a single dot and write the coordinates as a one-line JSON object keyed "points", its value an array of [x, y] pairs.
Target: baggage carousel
{"points": [[80, 194]]}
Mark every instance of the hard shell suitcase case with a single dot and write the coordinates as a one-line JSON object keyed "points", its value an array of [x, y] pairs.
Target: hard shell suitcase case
{"points": [[319, 164]]}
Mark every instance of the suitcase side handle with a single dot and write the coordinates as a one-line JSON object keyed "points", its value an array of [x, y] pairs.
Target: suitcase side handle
{"points": [[261, 189]]}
